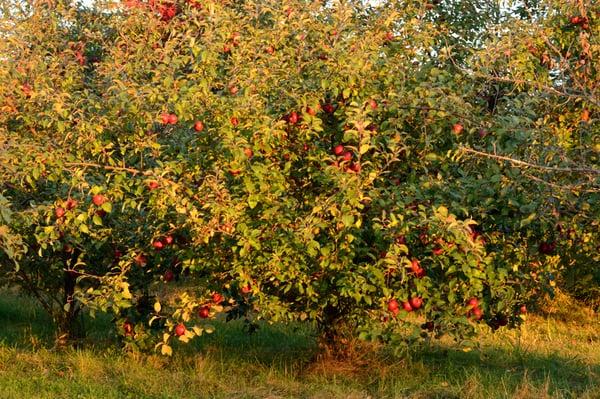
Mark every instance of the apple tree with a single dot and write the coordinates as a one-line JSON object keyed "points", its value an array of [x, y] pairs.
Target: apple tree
{"points": [[375, 170]]}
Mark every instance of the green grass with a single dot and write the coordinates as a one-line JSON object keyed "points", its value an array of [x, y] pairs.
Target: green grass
{"points": [[548, 358]]}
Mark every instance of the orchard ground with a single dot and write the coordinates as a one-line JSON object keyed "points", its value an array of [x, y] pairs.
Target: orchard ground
{"points": [[556, 355]]}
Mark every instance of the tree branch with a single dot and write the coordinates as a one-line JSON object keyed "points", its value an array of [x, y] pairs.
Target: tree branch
{"points": [[527, 164]]}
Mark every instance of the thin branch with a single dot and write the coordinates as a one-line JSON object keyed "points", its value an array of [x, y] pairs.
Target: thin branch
{"points": [[529, 165]]}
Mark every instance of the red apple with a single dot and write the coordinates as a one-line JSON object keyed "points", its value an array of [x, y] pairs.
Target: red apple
{"points": [[233, 90], [235, 172], [438, 251], [293, 118], [328, 108], [248, 152], [141, 260], [401, 240], [173, 119], [59, 212], [338, 149], [355, 167], [416, 302], [473, 303], [165, 118], [246, 289], [373, 104], [153, 185], [168, 276], [392, 305], [70, 204], [198, 126], [389, 36], [477, 313], [415, 265], [347, 156], [180, 330], [217, 298], [270, 50], [457, 128], [234, 121], [406, 306], [523, 309], [204, 312], [420, 273], [158, 245], [98, 199], [311, 111], [168, 240]]}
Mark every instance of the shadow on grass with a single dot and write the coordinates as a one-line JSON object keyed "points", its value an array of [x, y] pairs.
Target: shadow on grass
{"points": [[435, 371]]}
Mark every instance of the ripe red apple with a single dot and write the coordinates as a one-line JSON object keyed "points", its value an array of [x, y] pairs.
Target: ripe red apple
{"points": [[338, 149], [389, 36], [406, 306], [233, 90], [141, 260], [416, 302], [248, 152], [293, 118], [173, 119], [355, 167], [153, 185], [70, 204], [575, 20], [473, 303], [477, 313], [347, 156], [311, 111], [168, 240], [217, 298], [204, 312], [165, 118], [168, 276], [457, 128], [246, 289], [392, 305], [373, 104], [415, 265], [420, 273], [235, 172], [180, 330], [523, 309], [226, 48], [328, 108], [158, 245], [98, 199], [438, 251], [270, 50], [234, 121], [59, 212], [198, 126]]}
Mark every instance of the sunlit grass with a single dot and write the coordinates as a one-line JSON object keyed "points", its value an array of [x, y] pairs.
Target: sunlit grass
{"points": [[548, 357]]}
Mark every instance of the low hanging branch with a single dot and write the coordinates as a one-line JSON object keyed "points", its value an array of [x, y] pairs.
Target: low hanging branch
{"points": [[527, 164]]}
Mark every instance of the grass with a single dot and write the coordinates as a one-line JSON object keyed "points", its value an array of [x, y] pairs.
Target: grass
{"points": [[550, 357]]}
